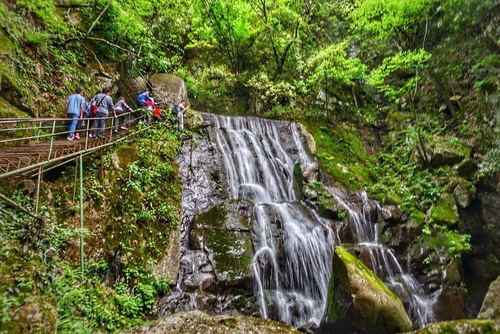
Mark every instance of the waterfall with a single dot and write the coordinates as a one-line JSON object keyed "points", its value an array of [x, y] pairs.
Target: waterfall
{"points": [[292, 245], [384, 262]]}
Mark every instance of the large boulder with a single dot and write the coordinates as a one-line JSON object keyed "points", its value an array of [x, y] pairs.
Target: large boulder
{"points": [[491, 304], [357, 297], [168, 89], [472, 326], [195, 322], [224, 232]]}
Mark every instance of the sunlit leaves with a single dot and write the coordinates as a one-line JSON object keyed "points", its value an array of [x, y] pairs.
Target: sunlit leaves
{"points": [[396, 76], [333, 64]]}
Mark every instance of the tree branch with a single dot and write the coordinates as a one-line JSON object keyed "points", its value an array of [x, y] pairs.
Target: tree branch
{"points": [[98, 18], [98, 39]]}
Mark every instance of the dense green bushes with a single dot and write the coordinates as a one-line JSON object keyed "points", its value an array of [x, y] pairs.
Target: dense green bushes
{"points": [[129, 211]]}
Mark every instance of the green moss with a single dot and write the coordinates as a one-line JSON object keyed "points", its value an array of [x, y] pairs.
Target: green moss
{"points": [[444, 211], [7, 110], [472, 326], [341, 152], [352, 264], [418, 217], [225, 232]]}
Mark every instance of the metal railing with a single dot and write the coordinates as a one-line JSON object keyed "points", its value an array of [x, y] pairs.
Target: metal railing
{"points": [[28, 143]]}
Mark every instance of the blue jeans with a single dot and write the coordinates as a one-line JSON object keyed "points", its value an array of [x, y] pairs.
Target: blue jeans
{"points": [[74, 118], [99, 124]]}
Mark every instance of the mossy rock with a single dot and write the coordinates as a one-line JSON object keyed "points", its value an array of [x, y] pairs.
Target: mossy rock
{"points": [[444, 211], [193, 120], [7, 110], [35, 316], [224, 231], [358, 297], [463, 193], [444, 152], [472, 326], [491, 303]]}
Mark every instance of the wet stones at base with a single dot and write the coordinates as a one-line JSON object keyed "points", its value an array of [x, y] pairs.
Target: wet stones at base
{"points": [[472, 326], [197, 322]]}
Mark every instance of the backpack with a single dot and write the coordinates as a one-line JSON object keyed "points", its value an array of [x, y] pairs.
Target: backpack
{"points": [[142, 98], [95, 106], [175, 109]]}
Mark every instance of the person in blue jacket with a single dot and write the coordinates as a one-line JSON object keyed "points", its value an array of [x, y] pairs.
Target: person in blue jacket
{"points": [[74, 109]]}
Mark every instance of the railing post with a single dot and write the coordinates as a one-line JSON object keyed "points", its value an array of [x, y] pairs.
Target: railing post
{"points": [[39, 181], [52, 139], [87, 136], [81, 218], [39, 130], [111, 130]]}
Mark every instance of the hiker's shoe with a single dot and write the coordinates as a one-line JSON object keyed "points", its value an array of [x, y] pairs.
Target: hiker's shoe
{"points": [[70, 138], [123, 127], [77, 136]]}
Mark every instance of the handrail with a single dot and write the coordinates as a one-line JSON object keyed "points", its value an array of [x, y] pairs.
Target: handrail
{"points": [[46, 151], [53, 127], [57, 119]]}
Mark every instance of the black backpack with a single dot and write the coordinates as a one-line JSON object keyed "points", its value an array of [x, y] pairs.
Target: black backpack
{"points": [[175, 109]]}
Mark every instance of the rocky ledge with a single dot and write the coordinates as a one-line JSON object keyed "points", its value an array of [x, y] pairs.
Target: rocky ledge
{"points": [[195, 322]]}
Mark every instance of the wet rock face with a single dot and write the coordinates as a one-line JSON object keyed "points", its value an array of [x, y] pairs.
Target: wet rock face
{"points": [[223, 232], [197, 322], [357, 296], [451, 303], [490, 208], [491, 304]]}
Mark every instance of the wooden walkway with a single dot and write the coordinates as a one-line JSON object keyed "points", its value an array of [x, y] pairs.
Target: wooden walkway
{"points": [[25, 154]]}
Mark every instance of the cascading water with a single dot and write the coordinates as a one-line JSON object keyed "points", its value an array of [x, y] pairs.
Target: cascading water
{"points": [[292, 261], [292, 244], [384, 262]]}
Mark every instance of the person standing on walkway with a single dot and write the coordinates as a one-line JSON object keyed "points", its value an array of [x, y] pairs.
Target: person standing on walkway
{"points": [[103, 104], [179, 110], [74, 109], [121, 107]]}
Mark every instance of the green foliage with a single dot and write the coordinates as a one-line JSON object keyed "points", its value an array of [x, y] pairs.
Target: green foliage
{"points": [[390, 18], [121, 248], [123, 305], [397, 75], [441, 239], [401, 180], [271, 93], [333, 64]]}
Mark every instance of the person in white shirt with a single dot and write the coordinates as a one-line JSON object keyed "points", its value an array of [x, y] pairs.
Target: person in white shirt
{"points": [[180, 109]]}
